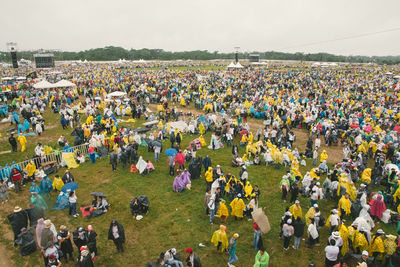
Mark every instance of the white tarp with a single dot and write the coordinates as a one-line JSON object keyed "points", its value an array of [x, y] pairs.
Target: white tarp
{"points": [[64, 83], [43, 85], [116, 94], [181, 125]]}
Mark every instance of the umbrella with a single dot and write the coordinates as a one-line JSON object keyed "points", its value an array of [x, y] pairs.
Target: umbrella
{"points": [[171, 152], [156, 143], [397, 128], [354, 126], [69, 187], [98, 194]]}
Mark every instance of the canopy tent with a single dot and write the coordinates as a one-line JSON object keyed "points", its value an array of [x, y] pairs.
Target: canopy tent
{"points": [[43, 85], [116, 94], [7, 78], [21, 78], [235, 65], [396, 77], [64, 83]]}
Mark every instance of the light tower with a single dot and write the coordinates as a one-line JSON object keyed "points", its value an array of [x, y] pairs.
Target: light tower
{"points": [[12, 48], [237, 48]]}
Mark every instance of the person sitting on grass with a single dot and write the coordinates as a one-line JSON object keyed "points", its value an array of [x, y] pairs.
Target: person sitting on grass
{"points": [[181, 182]]}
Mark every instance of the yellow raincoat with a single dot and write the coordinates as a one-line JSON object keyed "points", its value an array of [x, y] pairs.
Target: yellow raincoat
{"points": [[377, 245], [22, 141], [296, 211], [209, 175], [366, 176], [390, 244], [310, 214], [248, 189], [30, 168], [344, 204], [222, 210], [202, 141], [202, 129], [324, 155], [58, 183], [344, 234], [360, 242], [220, 236], [238, 207]]}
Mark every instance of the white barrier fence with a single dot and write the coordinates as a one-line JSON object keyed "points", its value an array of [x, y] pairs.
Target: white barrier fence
{"points": [[54, 157]]}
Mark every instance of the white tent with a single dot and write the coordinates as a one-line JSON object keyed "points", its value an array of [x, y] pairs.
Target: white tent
{"points": [[7, 78], [43, 85], [116, 94], [396, 77], [21, 78], [235, 66], [64, 83]]}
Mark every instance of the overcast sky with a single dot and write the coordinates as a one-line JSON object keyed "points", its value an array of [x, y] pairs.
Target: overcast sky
{"points": [[214, 25]]}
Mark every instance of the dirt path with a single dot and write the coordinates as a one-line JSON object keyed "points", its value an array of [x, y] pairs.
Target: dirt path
{"points": [[5, 256], [334, 152]]}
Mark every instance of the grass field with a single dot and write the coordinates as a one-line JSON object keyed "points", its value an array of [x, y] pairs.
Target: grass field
{"points": [[174, 220]]}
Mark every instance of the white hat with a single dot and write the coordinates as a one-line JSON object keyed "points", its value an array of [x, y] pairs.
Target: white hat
{"points": [[335, 235], [315, 206], [296, 202], [173, 250], [362, 185], [239, 195], [17, 209], [380, 231], [218, 166], [289, 221], [318, 183], [365, 253], [244, 167], [288, 213], [335, 211]]}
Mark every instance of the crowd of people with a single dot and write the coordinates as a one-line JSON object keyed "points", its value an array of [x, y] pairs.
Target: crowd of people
{"points": [[353, 109]]}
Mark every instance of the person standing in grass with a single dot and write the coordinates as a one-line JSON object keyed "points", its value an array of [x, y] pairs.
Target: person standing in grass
{"points": [[262, 259], [232, 250], [116, 233], [13, 142], [72, 204], [298, 226], [288, 231]]}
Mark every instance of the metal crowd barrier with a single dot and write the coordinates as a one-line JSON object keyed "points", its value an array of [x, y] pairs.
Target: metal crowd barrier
{"points": [[53, 157]]}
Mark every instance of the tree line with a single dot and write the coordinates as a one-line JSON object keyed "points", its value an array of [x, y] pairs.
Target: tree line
{"points": [[116, 53]]}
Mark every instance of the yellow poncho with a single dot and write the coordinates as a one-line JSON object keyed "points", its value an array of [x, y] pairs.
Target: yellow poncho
{"points": [[344, 204], [202, 129], [310, 214], [248, 189], [376, 245], [222, 210], [366, 176], [238, 207], [209, 175], [202, 141], [30, 168], [22, 141], [344, 234], [360, 242], [57, 184], [324, 155], [220, 236], [296, 211], [390, 245], [313, 174]]}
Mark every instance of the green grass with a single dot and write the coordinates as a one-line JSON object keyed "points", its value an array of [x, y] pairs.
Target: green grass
{"points": [[174, 220]]}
